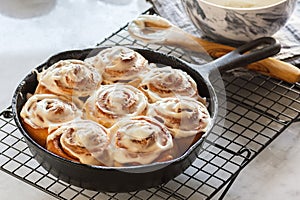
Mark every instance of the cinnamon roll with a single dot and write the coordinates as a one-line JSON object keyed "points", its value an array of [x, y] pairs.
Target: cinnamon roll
{"points": [[113, 102], [70, 78], [43, 110], [139, 140], [120, 64], [168, 82], [183, 116], [186, 118], [83, 141]]}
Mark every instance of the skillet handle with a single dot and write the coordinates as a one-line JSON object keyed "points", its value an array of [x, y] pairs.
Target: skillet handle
{"points": [[253, 51]]}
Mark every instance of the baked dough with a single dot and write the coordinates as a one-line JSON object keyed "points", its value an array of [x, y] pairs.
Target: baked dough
{"points": [[83, 141], [43, 110], [114, 102], [120, 65], [72, 78], [166, 82], [139, 140]]}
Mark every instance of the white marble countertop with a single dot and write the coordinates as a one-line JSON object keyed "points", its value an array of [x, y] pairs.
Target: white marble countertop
{"points": [[32, 30]]}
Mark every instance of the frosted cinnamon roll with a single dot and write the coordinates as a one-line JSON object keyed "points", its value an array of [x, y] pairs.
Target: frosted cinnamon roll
{"points": [[70, 78], [168, 82], [43, 110], [113, 102], [186, 118], [83, 141], [119, 64], [139, 140], [183, 116]]}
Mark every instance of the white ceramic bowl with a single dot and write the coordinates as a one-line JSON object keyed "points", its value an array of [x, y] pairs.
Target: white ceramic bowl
{"points": [[238, 24]]}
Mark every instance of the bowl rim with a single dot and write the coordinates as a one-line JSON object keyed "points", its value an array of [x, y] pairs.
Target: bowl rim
{"points": [[245, 9]]}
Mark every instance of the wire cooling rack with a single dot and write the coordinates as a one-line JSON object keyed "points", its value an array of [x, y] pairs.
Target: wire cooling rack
{"points": [[258, 109]]}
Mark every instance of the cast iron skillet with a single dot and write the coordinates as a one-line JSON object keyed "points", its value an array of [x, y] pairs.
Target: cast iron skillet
{"points": [[125, 179]]}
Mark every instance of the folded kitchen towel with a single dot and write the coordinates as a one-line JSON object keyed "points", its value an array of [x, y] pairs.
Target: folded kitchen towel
{"points": [[288, 36]]}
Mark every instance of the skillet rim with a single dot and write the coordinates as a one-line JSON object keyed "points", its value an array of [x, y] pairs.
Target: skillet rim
{"points": [[90, 51]]}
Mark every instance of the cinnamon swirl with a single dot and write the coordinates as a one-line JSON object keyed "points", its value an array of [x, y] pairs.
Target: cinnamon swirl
{"points": [[113, 102], [183, 116], [83, 141], [168, 82], [186, 118], [139, 140], [43, 110], [70, 78], [120, 64]]}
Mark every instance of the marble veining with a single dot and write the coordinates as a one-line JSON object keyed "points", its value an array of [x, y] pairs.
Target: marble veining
{"points": [[237, 25]]}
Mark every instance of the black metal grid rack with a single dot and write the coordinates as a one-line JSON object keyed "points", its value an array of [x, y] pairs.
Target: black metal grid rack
{"points": [[258, 109]]}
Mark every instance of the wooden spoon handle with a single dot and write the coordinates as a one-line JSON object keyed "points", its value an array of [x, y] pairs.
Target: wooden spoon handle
{"points": [[270, 66], [277, 69]]}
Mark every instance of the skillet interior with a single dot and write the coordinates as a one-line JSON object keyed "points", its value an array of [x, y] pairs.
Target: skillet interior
{"points": [[111, 179]]}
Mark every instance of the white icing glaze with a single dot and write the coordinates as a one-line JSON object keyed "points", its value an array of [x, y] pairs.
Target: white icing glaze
{"points": [[244, 3], [70, 77], [83, 139], [112, 102], [150, 29], [168, 82], [153, 29], [43, 110], [119, 64], [139, 140], [183, 116]]}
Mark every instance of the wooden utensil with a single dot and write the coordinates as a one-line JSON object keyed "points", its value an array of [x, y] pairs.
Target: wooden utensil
{"points": [[157, 30]]}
